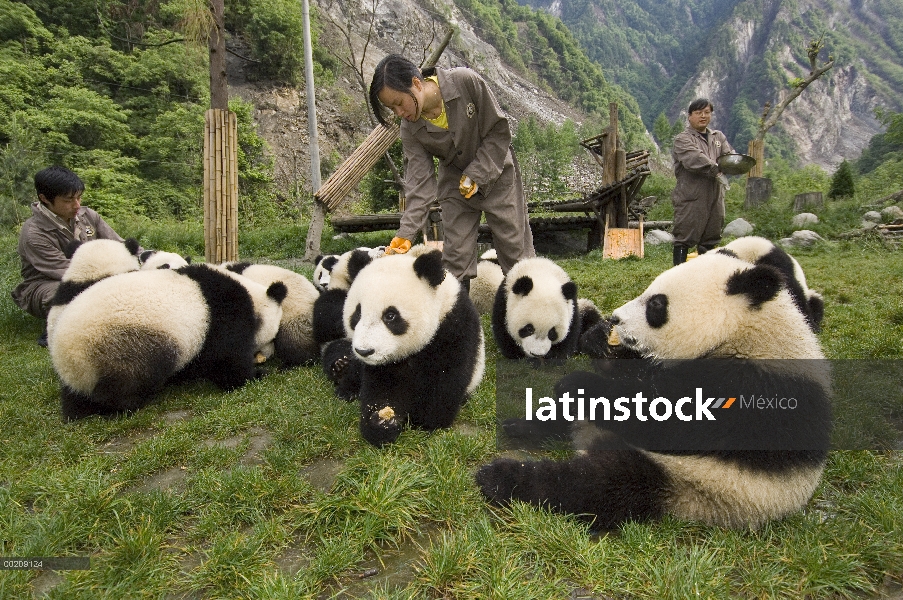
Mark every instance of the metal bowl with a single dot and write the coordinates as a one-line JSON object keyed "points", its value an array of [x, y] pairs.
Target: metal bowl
{"points": [[735, 164]]}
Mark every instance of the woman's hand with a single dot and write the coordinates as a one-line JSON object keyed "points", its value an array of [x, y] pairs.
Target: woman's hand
{"points": [[398, 245]]}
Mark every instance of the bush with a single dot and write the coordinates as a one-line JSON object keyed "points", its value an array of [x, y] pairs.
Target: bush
{"points": [[842, 183]]}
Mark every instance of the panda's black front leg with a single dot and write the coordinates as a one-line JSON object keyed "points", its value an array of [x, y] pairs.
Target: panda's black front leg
{"points": [[342, 368], [76, 406], [385, 397], [608, 486]]}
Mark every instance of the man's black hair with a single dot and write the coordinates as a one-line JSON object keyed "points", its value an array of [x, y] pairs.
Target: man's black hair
{"points": [[57, 181], [700, 104]]}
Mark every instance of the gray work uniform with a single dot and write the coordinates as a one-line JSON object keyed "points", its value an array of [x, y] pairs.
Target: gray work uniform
{"points": [[41, 244], [477, 143], [698, 197]]}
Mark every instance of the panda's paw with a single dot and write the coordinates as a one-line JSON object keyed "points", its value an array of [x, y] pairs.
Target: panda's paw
{"points": [[338, 367], [381, 426], [594, 341], [499, 480]]}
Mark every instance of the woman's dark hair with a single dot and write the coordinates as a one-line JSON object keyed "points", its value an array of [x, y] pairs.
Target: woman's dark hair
{"points": [[700, 104], [396, 73], [57, 181]]}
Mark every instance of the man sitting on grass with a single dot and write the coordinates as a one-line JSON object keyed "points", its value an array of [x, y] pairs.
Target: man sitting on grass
{"points": [[57, 218]]}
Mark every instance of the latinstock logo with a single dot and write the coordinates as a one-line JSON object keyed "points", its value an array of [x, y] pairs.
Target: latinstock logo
{"points": [[686, 408]]}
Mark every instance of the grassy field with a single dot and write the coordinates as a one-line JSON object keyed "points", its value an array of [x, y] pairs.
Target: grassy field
{"points": [[269, 492]]}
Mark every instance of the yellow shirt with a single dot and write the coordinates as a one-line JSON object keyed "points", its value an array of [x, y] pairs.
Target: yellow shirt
{"points": [[442, 119]]}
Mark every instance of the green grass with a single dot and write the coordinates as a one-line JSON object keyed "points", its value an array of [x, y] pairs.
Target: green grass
{"points": [[269, 492]]}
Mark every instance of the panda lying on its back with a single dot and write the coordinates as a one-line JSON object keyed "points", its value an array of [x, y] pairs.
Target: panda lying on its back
{"points": [[714, 307], [418, 338]]}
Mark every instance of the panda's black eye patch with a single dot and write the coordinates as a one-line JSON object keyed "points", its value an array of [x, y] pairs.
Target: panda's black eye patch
{"points": [[553, 335], [657, 310], [355, 317], [526, 331], [394, 321]]}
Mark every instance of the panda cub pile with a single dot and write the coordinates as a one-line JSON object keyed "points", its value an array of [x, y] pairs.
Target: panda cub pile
{"points": [[116, 343]]}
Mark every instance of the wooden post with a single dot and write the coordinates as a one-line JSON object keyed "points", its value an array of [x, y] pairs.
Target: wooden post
{"points": [[757, 151], [220, 186], [801, 201], [758, 191]]}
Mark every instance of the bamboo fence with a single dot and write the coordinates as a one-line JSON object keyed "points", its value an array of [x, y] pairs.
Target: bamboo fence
{"points": [[220, 186]]}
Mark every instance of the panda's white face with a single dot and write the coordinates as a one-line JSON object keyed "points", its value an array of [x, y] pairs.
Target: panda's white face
{"points": [[391, 312], [98, 259], [715, 306], [323, 271], [538, 314]]}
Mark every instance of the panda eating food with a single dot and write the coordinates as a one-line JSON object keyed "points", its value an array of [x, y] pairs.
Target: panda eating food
{"points": [[294, 343], [713, 307], [418, 339], [118, 342]]}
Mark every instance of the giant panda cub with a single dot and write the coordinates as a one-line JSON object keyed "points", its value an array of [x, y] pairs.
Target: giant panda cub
{"points": [[328, 329], [537, 313], [758, 250], [418, 339], [89, 262], [294, 343], [485, 285], [327, 324], [122, 339], [325, 263], [713, 307], [160, 259]]}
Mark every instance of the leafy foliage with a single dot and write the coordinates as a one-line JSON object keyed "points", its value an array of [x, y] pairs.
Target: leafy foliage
{"points": [[546, 50], [130, 121], [545, 154]]}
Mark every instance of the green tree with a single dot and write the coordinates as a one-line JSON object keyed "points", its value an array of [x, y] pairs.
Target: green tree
{"points": [[842, 185], [664, 131]]}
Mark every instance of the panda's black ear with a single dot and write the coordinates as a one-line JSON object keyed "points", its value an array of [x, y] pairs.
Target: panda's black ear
{"points": [[238, 267], [132, 246], [187, 259], [146, 255], [759, 284], [569, 290], [522, 286], [428, 266], [277, 291], [318, 259], [70, 248], [356, 262]]}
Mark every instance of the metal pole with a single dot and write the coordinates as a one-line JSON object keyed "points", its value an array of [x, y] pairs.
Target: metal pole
{"points": [[311, 101]]}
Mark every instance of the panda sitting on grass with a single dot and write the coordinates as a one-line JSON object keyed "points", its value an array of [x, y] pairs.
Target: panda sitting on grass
{"points": [[418, 341], [757, 468]]}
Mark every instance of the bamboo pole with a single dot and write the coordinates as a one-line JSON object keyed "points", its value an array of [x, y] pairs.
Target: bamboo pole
{"points": [[334, 190]]}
